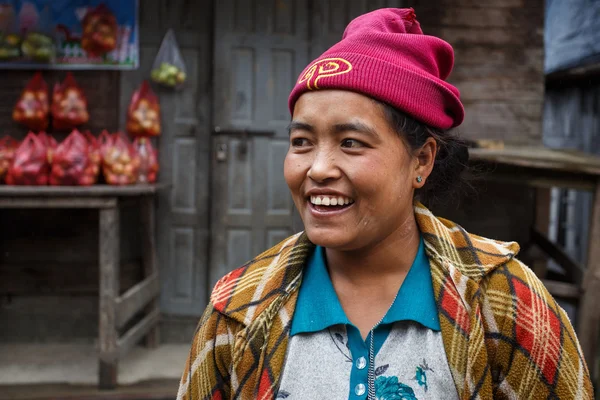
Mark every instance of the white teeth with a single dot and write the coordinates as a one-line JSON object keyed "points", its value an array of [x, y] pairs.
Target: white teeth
{"points": [[330, 201]]}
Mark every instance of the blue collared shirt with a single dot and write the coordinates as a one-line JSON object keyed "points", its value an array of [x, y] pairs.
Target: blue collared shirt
{"points": [[318, 306], [318, 311]]}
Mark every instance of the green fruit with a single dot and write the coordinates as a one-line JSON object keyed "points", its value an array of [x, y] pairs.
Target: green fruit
{"points": [[180, 77], [155, 75], [43, 54]]}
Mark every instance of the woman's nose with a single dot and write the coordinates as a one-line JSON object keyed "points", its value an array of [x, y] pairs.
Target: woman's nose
{"points": [[324, 167]]}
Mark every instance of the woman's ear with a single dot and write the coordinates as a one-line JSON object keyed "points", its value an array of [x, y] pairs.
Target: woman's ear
{"points": [[425, 158]]}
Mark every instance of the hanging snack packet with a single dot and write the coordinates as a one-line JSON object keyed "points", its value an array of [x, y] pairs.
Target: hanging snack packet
{"points": [[99, 31], [70, 162], [120, 162], [148, 160], [31, 109], [143, 115], [30, 165], [69, 105], [168, 68], [8, 145]]}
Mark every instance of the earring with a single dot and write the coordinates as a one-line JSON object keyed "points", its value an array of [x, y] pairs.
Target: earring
{"points": [[419, 179]]}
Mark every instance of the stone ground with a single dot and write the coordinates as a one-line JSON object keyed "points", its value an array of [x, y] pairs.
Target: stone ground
{"points": [[69, 371]]}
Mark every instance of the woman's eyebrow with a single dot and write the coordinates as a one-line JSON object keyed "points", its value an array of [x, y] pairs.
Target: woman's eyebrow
{"points": [[356, 127], [296, 125]]}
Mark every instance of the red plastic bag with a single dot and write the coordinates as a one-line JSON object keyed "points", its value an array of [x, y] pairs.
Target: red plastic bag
{"points": [[8, 145], [99, 31], [69, 105], [32, 107], [148, 160], [120, 162], [30, 165], [50, 144], [143, 115], [71, 164]]}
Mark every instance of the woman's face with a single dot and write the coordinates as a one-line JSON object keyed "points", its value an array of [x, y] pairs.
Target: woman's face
{"points": [[351, 176]]}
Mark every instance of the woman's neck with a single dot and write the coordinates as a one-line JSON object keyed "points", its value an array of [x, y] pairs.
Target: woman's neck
{"points": [[392, 257]]}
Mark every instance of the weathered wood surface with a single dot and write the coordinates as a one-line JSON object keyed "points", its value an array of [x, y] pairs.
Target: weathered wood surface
{"points": [[573, 271], [150, 263], [56, 202], [80, 191], [589, 314], [499, 63], [132, 301], [135, 334], [541, 158], [109, 273], [562, 289]]}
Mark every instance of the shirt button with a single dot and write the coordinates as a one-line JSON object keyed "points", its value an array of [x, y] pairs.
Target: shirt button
{"points": [[360, 389], [361, 363]]}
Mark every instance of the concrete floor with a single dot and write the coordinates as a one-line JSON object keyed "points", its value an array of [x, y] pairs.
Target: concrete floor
{"points": [[77, 364]]}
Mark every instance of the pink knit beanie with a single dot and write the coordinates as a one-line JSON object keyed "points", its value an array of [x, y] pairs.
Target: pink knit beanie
{"points": [[385, 55]]}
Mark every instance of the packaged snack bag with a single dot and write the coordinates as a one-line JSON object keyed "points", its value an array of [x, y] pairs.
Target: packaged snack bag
{"points": [[30, 165], [168, 68], [8, 145], [143, 114], [69, 105], [71, 162], [99, 31], [148, 160], [120, 162], [32, 107]]}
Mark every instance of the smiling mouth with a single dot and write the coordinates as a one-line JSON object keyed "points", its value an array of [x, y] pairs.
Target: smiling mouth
{"points": [[323, 203]]}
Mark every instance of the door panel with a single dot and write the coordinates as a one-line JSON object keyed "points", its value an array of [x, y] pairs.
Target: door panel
{"points": [[261, 47]]}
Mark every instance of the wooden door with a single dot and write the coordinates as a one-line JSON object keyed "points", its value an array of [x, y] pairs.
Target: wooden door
{"points": [[261, 46], [184, 151]]}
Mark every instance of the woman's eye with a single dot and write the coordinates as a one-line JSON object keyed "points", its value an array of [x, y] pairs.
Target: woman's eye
{"points": [[299, 142], [351, 143]]}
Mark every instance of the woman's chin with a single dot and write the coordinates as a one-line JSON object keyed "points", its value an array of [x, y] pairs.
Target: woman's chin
{"points": [[329, 238]]}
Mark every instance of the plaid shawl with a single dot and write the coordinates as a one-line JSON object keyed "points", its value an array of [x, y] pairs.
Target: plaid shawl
{"points": [[505, 336]]}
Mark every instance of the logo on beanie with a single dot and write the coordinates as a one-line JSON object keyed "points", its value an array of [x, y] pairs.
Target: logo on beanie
{"points": [[324, 68]]}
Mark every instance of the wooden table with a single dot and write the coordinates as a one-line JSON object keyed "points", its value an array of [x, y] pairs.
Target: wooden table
{"points": [[544, 168], [115, 310]]}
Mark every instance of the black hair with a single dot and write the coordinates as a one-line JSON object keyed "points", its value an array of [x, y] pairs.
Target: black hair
{"points": [[446, 179]]}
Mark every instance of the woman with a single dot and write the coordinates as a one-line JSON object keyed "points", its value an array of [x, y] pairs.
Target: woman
{"points": [[378, 298]]}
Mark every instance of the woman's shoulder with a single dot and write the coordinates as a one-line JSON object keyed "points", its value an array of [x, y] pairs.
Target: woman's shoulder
{"points": [[254, 282]]}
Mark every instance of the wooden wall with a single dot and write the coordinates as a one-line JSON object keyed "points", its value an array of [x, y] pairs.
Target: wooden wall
{"points": [[499, 63]]}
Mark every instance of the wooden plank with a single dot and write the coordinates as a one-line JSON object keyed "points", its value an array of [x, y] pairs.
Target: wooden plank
{"points": [[573, 270], [109, 275], [44, 202], [537, 178], [542, 223], [136, 298], [150, 261], [540, 157], [589, 313], [80, 191], [135, 334], [562, 289]]}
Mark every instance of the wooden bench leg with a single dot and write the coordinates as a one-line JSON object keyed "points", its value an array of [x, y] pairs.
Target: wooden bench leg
{"points": [[152, 340], [589, 313], [109, 291]]}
